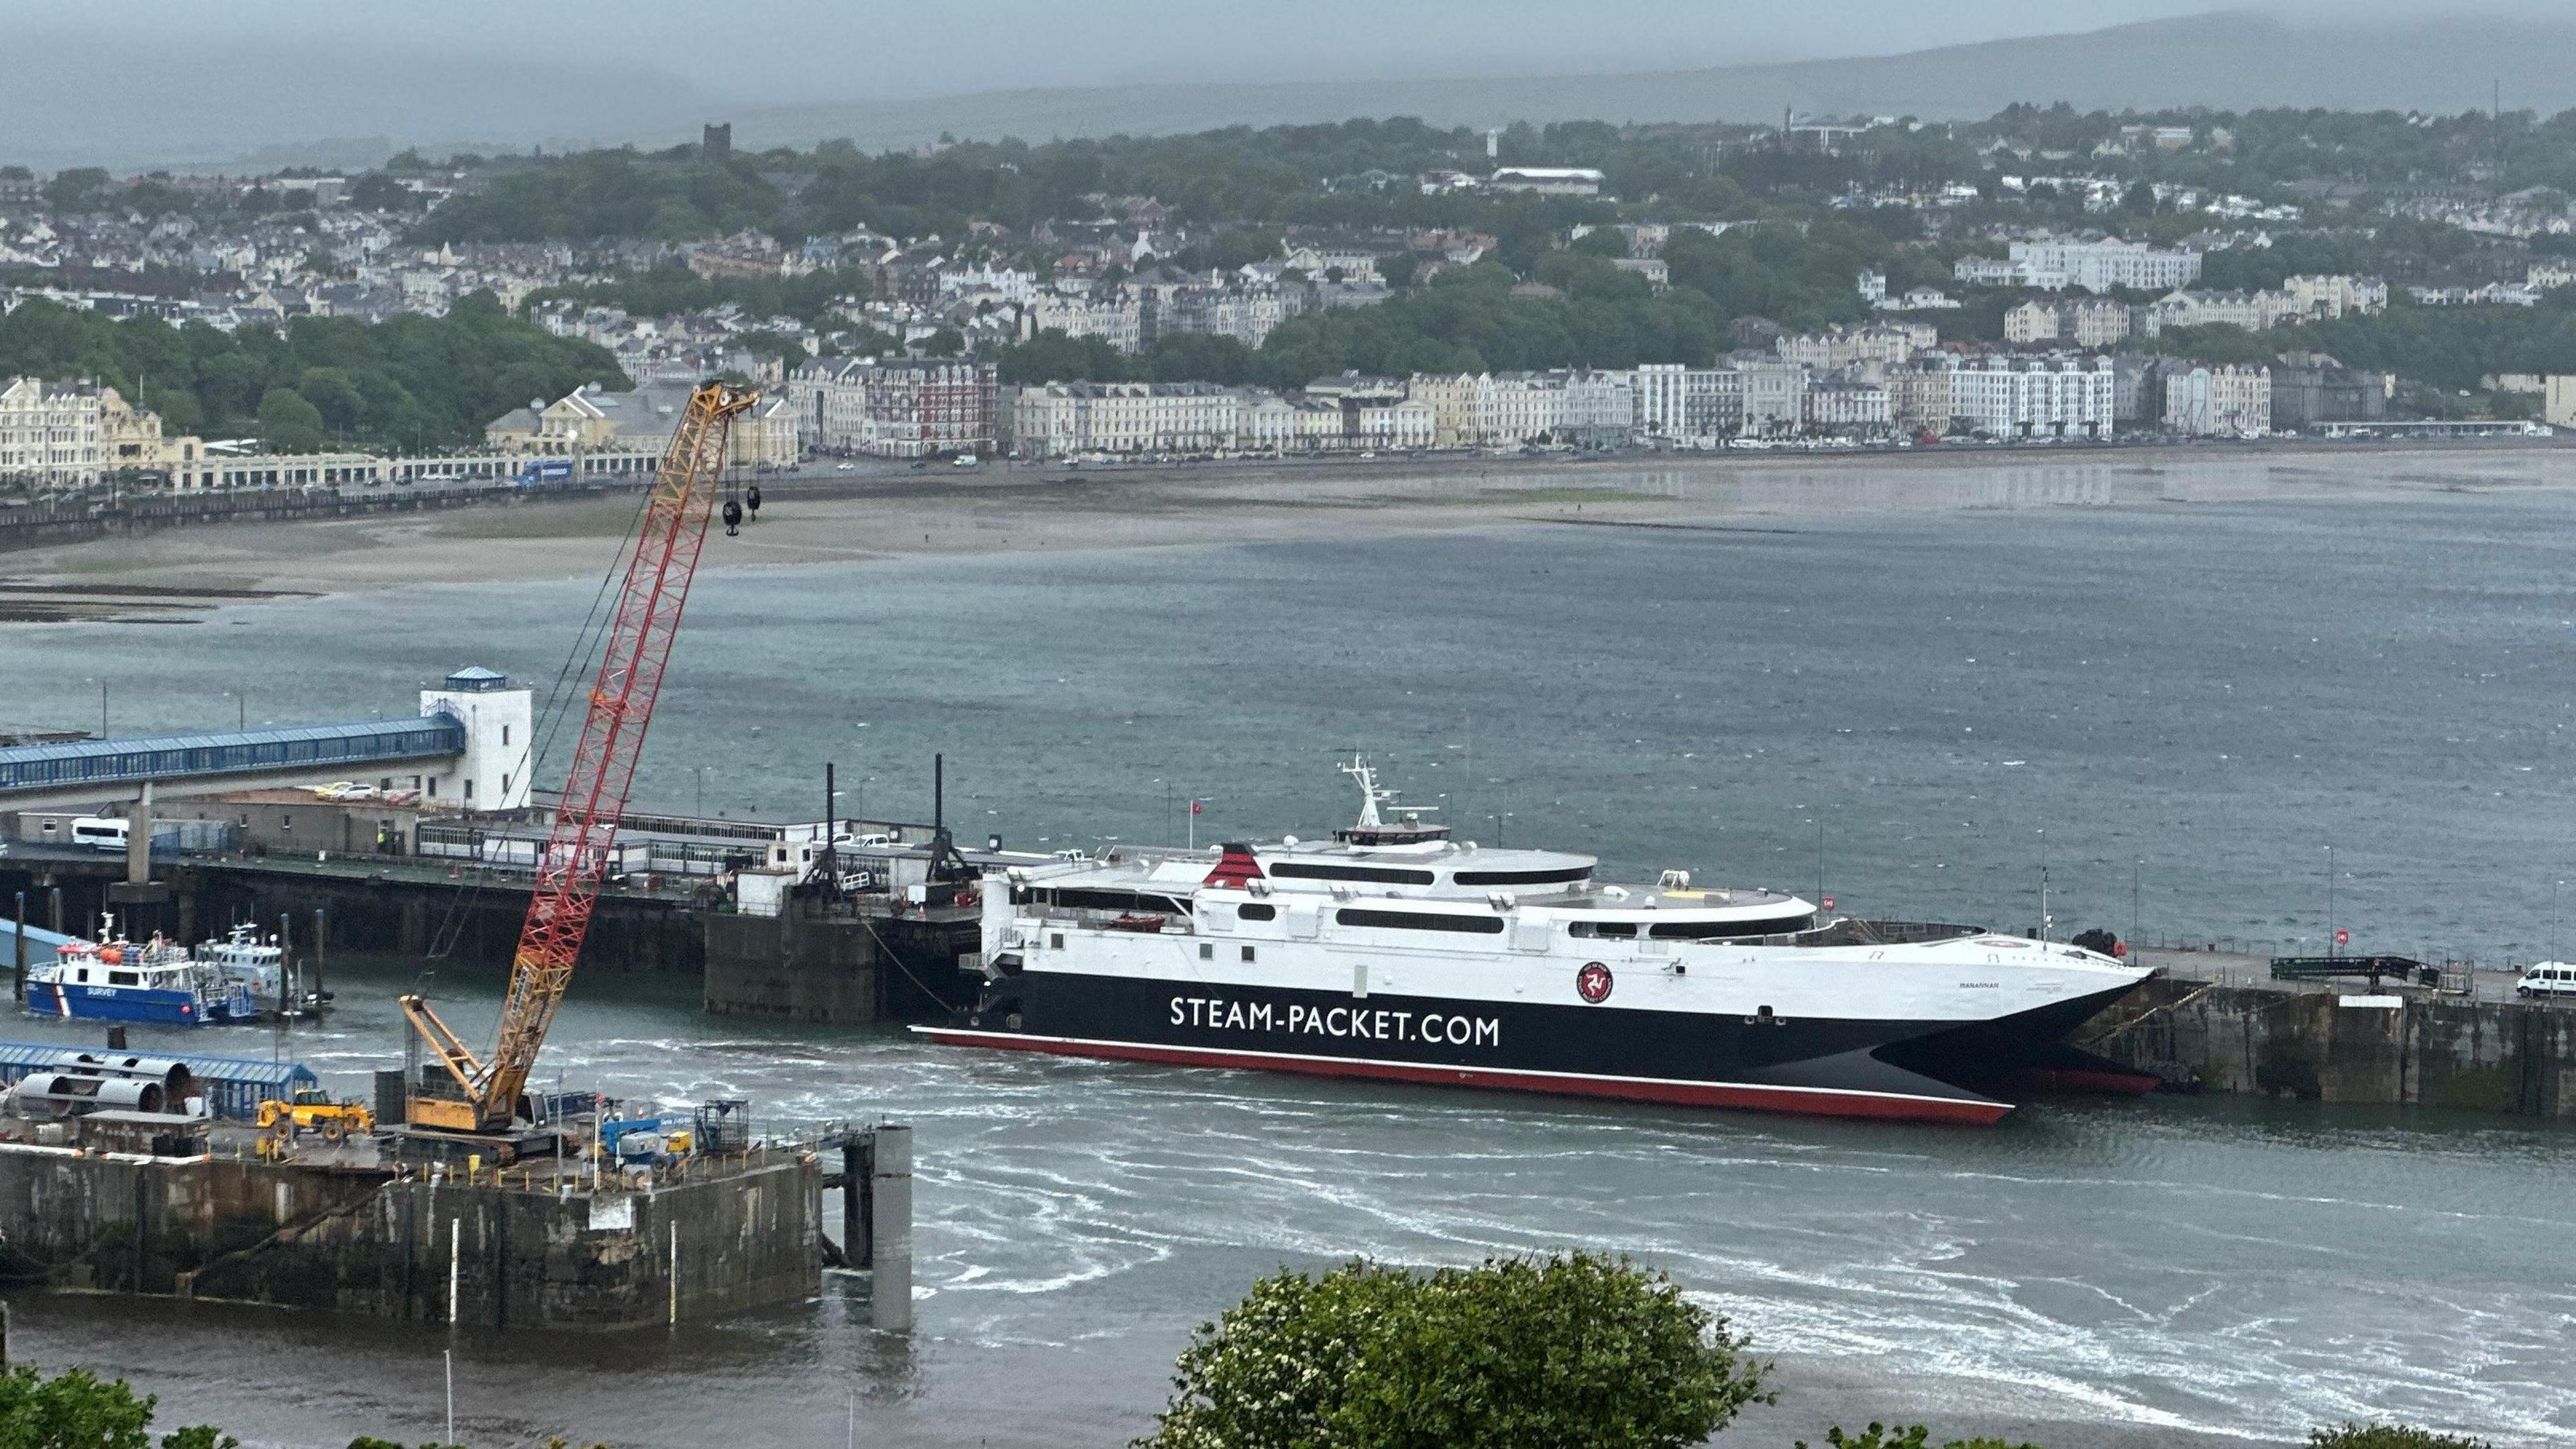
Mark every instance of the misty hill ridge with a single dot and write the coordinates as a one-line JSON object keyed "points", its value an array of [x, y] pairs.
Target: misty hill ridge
{"points": [[2224, 61], [69, 102]]}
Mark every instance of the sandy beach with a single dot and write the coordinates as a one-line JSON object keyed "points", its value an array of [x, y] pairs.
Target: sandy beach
{"points": [[824, 518]]}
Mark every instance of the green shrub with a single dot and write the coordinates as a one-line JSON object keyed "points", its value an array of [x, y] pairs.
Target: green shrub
{"points": [[1573, 1352], [1904, 1436], [2388, 1436]]}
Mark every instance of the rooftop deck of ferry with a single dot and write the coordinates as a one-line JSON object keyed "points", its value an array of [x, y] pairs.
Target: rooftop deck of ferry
{"points": [[1466, 873]]}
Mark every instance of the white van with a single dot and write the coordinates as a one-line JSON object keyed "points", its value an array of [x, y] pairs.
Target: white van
{"points": [[2547, 978], [99, 832]]}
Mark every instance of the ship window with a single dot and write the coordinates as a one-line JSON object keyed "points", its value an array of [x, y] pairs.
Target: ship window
{"points": [[124, 978], [1055, 940], [1564, 876], [1373, 874], [1623, 930], [1258, 912], [1421, 921], [1247, 953], [1118, 901], [1206, 951], [1724, 930]]}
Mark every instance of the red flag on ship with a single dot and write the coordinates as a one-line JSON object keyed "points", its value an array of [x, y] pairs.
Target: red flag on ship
{"points": [[1198, 806]]}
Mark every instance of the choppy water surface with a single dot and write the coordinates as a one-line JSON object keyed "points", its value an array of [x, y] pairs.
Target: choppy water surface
{"points": [[2217, 690]]}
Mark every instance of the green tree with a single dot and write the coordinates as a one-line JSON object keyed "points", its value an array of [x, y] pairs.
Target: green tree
{"points": [[335, 397], [289, 424], [74, 1410], [82, 188], [1577, 1352], [2388, 1436], [1052, 356], [377, 191], [1915, 1436], [1602, 241], [411, 382]]}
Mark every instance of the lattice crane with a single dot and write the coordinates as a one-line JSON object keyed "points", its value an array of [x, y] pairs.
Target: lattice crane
{"points": [[484, 1095]]}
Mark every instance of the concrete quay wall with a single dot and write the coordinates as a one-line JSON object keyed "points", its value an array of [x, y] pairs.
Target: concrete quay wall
{"points": [[2514, 1057], [727, 1241], [787, 969]]}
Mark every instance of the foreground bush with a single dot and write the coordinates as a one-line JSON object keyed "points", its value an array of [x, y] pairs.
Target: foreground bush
{"points": [[1906, 1436], [1569, 1352], [2388, 1436], [73, 1410]]}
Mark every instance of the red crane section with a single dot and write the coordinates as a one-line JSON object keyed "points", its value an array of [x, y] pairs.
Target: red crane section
{"points": [[658, 569]]}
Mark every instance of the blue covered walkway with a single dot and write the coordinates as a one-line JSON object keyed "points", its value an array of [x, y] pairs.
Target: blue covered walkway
{"points": [[171, 758]]}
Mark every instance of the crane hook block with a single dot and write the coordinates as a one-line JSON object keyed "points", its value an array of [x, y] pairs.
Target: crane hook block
{"points": [[733, 518]]}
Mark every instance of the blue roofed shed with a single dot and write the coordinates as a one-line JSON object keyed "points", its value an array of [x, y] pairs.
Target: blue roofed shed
{"points": [[234, 1086]]}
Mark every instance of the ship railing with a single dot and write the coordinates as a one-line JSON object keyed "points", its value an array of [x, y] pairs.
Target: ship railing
{"points": [[1853, 931]]}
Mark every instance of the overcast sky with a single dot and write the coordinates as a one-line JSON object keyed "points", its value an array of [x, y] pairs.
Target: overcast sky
{"points": [[801, 50]]}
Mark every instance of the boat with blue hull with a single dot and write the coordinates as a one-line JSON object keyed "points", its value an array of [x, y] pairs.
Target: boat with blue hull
{"points": [[156, 981]]}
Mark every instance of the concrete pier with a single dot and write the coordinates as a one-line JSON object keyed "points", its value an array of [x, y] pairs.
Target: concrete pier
{"points": [[2397, 1046], [733, 1234], [853, 964], [787, 968]]}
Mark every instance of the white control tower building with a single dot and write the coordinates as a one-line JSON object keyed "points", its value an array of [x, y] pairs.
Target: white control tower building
{"points": [[493, 772]]}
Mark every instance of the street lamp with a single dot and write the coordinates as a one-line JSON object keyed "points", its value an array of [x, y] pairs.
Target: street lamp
{"points": [[2137, 869], [2330, 903], [2044, 922]]}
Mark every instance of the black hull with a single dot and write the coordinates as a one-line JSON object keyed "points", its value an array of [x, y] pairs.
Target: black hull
{"points": [[1860, 1068]]}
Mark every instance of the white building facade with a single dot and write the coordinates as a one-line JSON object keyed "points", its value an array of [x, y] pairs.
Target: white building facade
{"points": [[2233, 401], [2027, 397], [51, 433], [2098, 264]]}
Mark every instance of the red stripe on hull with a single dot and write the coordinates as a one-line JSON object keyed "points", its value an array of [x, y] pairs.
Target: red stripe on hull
{"points": [[1804, 1101], [2082, 1081]]}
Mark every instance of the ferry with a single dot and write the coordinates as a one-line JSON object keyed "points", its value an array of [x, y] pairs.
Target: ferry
{"points": [[112, 979], [1394, 952]]}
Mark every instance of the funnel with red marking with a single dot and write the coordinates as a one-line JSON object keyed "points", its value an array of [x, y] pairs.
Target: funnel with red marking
{"points": [[1235, 868]]}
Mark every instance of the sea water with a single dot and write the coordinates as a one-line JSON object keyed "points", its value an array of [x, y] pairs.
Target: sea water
{"points": [[2165, 711]]}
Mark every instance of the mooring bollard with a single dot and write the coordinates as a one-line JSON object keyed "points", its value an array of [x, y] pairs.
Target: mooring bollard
{"points": [[890, 1231]]}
